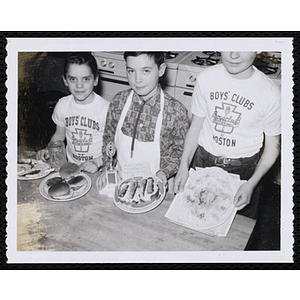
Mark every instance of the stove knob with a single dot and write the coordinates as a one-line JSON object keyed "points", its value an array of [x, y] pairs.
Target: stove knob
{"points": [[192, 78], [111, 65], [103, 63]]}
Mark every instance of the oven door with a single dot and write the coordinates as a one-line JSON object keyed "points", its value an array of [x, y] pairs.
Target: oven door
{"points": [[110, 85]]}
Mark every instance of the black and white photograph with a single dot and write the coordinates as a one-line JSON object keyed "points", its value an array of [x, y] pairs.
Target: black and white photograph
{"points": [[149, 150]]}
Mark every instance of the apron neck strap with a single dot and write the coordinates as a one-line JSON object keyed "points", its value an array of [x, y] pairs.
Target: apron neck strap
{"points": [[135, 126]]}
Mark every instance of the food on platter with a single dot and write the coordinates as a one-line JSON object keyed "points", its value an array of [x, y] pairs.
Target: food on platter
{"points": [[59, 190], [30, 172], [77, 182], [150, 185], [53, 181], [207, 197], [63, 187], [32, 169], [139, 190], [139, 195], [24, 165], [55, 188], [69, 170]]}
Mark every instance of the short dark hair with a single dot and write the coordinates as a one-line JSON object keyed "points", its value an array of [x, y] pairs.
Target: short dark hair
{"points": [[81, 58], [157, 56]]}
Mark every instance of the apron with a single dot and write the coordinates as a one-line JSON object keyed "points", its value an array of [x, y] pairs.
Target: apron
{"points": [[143, 151]]}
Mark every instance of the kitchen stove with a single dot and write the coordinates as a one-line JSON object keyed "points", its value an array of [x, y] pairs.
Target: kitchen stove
{"points": [[170, 54], [193, 65], [172, 60], [209, 58], [112, 70], [111, 63], [270, 64], [188, 71]]}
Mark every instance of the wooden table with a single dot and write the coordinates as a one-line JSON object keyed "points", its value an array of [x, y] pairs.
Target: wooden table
{"points": [[95, 223]]}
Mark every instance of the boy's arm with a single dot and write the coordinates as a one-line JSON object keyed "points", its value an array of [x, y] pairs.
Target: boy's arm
{"points": [[60, 134], [268, 158], [171, 144], [190, 146]]}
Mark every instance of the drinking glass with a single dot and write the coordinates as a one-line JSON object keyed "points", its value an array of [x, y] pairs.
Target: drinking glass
{"points": [[57, 153]]}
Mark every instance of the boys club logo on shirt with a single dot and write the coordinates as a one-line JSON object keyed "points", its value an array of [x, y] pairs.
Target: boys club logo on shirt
{"points": [[82, 121], [81, 140], [226, 118]]}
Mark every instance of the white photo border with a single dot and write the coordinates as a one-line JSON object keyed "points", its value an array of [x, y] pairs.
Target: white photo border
{"points": [[283, 45]]}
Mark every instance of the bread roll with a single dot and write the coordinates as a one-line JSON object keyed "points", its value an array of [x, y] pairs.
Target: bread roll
{"points": [[53, 181], [60, 190], [69, 170], [77, 182]]}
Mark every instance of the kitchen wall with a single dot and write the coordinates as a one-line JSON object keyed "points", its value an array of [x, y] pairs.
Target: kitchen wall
{"points": [[39, 87]]}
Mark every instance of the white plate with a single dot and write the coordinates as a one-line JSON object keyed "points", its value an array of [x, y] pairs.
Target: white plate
{"points": [[43, 188], [204, 226], [140, 207], [179, 213], [37, 165]]}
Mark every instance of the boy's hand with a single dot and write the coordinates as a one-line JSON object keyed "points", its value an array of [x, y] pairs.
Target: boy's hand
{"points": [[243, 195], [180, 180], [163, 177], [89, 166], [43, 155]]}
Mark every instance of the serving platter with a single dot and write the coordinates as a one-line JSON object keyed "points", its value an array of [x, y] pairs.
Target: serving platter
{"points": [[195, 214], [27, 166], [174, 215], [43, 189], [141, 207]]}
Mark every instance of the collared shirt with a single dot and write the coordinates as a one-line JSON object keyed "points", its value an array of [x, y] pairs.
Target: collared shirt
{"points": [[175, 124]]}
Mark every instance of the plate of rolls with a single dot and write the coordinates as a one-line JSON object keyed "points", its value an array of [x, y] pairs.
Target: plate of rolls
{"points": [[66, 185]]}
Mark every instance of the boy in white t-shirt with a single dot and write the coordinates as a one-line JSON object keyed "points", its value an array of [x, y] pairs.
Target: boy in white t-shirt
{"points": [[80, 117], [236, 109]]}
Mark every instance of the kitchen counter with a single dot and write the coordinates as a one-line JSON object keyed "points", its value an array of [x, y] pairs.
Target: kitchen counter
{"points": [[95, 223]]}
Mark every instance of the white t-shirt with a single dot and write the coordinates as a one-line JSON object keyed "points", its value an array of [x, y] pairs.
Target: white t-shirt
{"points": [[237, 111], [84, 125]]}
